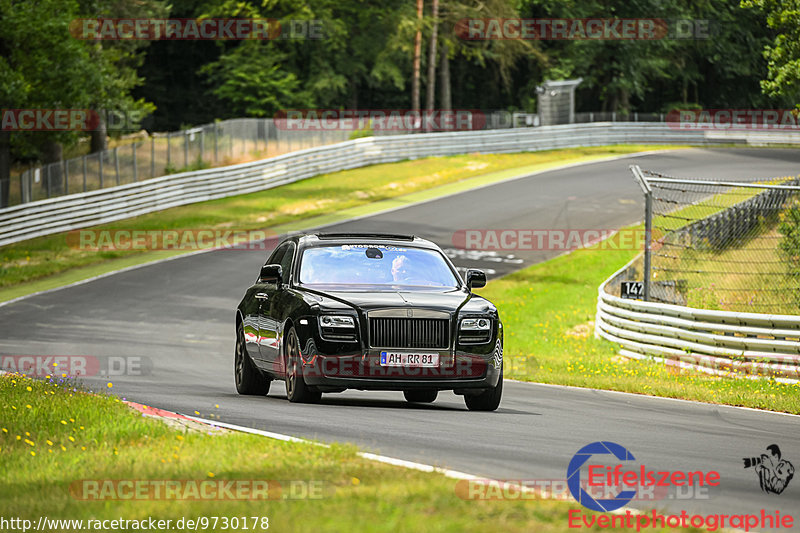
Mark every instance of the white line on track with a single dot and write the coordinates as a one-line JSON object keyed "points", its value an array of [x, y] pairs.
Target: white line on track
{"points": [[455, 474], [637, 395]]}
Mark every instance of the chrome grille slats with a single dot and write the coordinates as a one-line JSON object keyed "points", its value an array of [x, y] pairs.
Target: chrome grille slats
{"points": [[395, 332]]}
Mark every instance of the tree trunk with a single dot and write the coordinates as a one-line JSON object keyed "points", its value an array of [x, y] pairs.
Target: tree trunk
{"points": [[417, 56], [99, 141], [354, 95], [5, 167], [625, 103], [434, 47], [445, 96]]}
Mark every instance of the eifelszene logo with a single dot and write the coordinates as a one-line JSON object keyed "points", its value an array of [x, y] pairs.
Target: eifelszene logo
{"points": [[574, 476], [610, 487], [774, 473]]}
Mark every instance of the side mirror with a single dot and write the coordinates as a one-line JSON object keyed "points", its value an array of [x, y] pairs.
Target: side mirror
{"points": [[475, 279], [271, 274]]}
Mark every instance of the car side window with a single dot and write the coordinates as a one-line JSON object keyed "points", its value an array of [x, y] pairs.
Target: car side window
{"points": [[286, 263], [277, 255]]}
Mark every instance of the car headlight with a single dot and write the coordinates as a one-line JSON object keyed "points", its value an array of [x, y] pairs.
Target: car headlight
{"points": [[336, 321], [476, 324]]}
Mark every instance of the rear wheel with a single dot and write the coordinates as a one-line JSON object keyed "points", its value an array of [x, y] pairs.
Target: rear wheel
{"points": [[488, 400], [249, 380], [296, 389], [421, 396]]}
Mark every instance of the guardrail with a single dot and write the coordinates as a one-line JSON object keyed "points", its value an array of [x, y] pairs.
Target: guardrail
{"points": [[717, 342], [74, 211]]}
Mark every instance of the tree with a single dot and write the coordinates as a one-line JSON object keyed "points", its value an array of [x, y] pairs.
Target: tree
{"points": [[351, 59], [415, 74], [118, 62], [497, 58], [432, 49], [717, 69], [42, 67], [783, 56]]}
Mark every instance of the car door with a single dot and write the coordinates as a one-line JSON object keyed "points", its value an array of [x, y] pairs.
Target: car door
{"points": [[272, 309]]}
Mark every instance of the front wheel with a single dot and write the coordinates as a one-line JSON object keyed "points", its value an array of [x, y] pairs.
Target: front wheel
{"points": [[421, 396], [488, 400], [296, 389], [249, 380]]}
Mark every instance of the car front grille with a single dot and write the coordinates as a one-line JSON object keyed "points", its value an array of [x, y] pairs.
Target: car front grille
{"points": [[409, 333]]}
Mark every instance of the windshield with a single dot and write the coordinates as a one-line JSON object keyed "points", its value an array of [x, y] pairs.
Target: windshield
{"points": [[370, 264]]}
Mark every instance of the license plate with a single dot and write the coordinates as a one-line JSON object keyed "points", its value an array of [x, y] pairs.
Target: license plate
{"points": [[409, 359]]}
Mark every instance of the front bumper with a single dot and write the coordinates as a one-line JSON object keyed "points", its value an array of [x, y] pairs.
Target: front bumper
{"points": [[364, 372], [331, 366]]}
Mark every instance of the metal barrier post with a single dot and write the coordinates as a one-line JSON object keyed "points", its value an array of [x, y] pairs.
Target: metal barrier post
{"points": [[100, 160], [116, 162], [648, 226], [84, 173], [153, 155], [216, 142], [135, 169]]}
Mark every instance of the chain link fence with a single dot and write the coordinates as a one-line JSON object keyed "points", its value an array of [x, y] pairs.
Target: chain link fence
{"points": [[731, 246], [143, 157], [140, 157]]}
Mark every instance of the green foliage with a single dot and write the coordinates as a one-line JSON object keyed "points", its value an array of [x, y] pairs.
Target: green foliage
{"points": [[789, 244], [719, 69], [366, 131], [783, 56], [254, 81], [198, 164], [43, 66]]}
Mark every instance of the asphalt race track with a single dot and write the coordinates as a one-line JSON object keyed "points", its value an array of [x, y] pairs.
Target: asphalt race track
{"points": [[177, 316]]}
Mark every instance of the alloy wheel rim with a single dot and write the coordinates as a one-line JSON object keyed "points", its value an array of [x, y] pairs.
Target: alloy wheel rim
{"points": [[291, 366], [239, 358]]}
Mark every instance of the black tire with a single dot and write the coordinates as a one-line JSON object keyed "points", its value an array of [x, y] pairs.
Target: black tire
{"points": [[421, 396], [249, 380], [296, 389], [488, 400]]}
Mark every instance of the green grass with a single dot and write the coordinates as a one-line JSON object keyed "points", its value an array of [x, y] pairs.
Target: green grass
{"points": [[54, 435], [752, 276], [548, 312], [35, 264], [748, 275]]}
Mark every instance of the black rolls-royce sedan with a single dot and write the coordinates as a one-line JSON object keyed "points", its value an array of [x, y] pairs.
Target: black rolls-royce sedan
{"points": [[331, 312]]}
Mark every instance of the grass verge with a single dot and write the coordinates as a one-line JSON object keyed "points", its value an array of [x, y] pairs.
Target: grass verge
{"points": [[548, 312], [47, 262], [53, 435]]}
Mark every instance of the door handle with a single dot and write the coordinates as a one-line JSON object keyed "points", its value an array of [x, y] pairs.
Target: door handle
{"points": [[262, 296]]}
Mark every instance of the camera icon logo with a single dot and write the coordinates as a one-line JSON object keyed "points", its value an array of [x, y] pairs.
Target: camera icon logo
{"points": [[774, 473]]}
